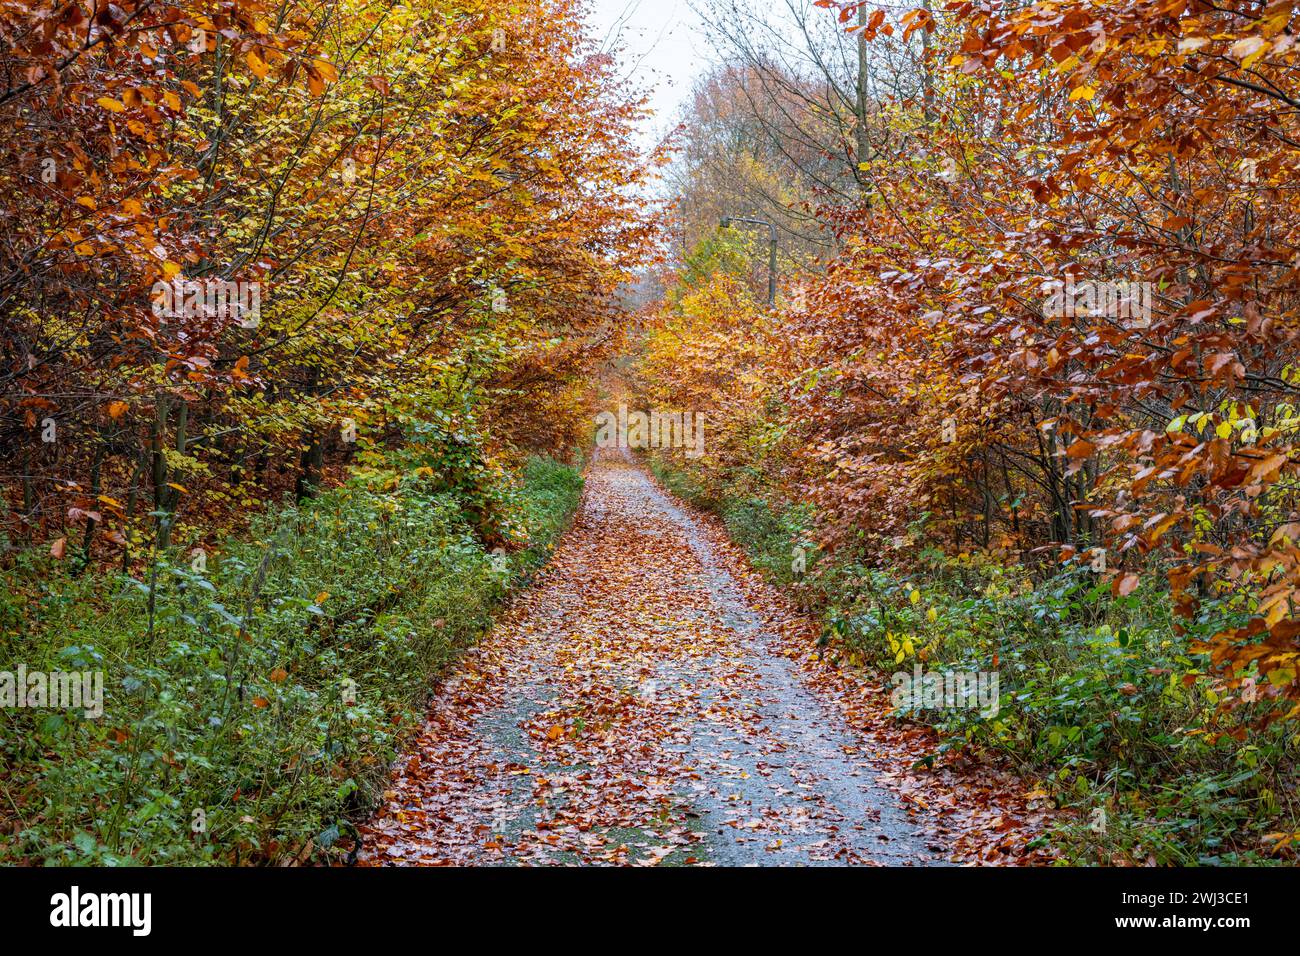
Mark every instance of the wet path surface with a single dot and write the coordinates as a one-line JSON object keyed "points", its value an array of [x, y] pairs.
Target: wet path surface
{"points": [[632, 707]]}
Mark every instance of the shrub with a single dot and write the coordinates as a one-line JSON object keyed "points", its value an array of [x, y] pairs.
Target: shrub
{"points": [[253, 705]]}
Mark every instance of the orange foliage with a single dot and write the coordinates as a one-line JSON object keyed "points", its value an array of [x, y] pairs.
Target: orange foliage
{"points": [[1066, 314]]}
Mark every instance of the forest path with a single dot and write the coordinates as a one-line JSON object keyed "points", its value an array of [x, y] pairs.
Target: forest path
{"points": [[634, 706]]}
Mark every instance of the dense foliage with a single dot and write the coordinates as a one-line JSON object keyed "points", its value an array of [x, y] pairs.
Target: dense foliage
{"points": [[424, 209]]}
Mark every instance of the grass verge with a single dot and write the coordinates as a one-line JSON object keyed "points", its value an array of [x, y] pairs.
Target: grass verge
{"points": [[252, 702]]}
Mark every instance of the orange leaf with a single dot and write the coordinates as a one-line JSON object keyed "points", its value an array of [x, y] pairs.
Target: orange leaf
{"points": [[1267, 469], [256, 64]]}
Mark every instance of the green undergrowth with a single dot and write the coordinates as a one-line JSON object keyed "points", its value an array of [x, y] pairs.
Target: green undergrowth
{"points": [[252, 700]]}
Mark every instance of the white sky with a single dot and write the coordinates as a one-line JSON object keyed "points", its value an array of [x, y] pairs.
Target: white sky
{"points": [[664, 51]]}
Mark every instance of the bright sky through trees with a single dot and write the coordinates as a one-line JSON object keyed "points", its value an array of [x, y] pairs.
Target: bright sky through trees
{"points": [[666, 51]]}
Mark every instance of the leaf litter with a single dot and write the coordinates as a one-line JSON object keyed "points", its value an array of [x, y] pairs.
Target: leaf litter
{"points": [[650, 700]]}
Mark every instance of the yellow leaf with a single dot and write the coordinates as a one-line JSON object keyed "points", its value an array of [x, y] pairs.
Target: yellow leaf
{"points": [[1277, 612], [1082, 93], [1281, 676], [110, 104]]}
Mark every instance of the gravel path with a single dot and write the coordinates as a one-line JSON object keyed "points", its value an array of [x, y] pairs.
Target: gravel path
{"points": [[631, 708]]}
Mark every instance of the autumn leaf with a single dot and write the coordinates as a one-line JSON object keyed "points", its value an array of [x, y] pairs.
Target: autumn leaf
{"points": [[1249, 50], [256, 64]]}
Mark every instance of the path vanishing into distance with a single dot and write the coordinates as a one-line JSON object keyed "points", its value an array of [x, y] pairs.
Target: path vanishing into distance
{"points": [[648, 700]]}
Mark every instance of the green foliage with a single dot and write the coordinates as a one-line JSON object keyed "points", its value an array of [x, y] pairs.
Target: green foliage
{"points": [[450, 450], [683, 484], [1100, 697], [775, 538], [549, 495], [726, 250], [263, 696]]}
